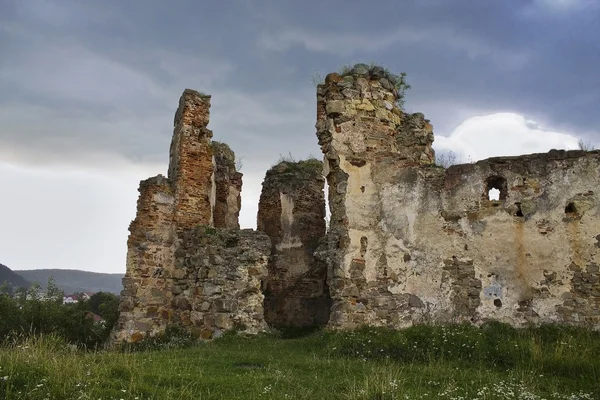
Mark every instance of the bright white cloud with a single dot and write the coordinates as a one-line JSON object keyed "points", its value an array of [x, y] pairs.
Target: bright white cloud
{"points": [[501, 134], [65, 219]]}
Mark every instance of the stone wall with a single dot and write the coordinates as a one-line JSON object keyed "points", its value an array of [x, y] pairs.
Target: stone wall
{"points": [[408, 242], [146, 286], [228, 182], [217, 280], [292, 212], [412, 242]]}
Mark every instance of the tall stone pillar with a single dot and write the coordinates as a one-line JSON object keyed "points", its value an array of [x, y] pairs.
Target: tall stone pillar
{"points": [[366, 140], [191, 162], [228, 181], [291, 212], [145, 299]]}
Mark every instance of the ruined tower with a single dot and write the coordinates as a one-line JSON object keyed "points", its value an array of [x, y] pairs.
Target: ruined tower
{"points": [[181, 269], [292, 212]]}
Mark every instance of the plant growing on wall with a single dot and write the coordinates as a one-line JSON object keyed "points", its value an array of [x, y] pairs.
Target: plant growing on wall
{"points": [[585, 146], [401, 87]]}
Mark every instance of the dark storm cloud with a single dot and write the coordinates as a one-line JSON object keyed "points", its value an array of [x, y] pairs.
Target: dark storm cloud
{"points": [[83, 77]]}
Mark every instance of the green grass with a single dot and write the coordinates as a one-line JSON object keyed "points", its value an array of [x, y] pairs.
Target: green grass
{"points": [[452, 362]]}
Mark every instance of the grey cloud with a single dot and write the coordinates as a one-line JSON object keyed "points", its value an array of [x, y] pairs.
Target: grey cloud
{"points": [[90, 77], [95, 84], [348, 44]]}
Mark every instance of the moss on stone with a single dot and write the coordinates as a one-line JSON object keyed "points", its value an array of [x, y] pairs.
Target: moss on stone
{"points": [[304, 169], [223, 154]]}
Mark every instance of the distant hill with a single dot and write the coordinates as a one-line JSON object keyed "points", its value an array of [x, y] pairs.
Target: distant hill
{"points": [[10, 276], [72, 280]]}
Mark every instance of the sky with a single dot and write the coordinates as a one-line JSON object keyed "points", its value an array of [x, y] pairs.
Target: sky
{"points": [[88, 91]]}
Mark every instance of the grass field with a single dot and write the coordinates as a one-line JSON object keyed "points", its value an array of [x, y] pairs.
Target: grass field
{"points": [[452, 362]]}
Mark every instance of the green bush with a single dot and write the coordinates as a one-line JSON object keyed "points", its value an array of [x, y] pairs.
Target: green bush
{"points": [[30, 315]]}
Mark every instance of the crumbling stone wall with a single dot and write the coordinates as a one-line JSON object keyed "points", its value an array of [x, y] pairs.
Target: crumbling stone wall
{"points": [[292, 212], [412, 242], [180, 269], [217, 280], [408, 241], [228, 188], [146, 293]]}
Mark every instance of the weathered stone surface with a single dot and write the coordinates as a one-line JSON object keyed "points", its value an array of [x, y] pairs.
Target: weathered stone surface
{"points": [[150, 246], [408, 241], [292, 212], [191, 162], [228, 181], [180, 269], [403, 229], [231, 295]]}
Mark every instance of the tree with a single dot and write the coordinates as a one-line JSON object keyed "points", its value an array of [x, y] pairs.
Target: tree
{"points": [[53, 292], [105, 305], [7, 289]]}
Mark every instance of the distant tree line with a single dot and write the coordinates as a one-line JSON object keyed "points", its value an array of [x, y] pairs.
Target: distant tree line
{"points": [[28, 312]]}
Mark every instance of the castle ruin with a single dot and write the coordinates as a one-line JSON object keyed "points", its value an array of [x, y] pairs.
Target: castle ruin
{"points": [[408, 241]]}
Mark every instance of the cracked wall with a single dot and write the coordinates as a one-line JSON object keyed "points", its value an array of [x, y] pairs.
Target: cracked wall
{"points": [[412, 242]]}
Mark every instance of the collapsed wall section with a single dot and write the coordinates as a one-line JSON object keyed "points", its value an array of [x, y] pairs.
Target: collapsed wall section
{"points": [[291, 212], [412, 242]]}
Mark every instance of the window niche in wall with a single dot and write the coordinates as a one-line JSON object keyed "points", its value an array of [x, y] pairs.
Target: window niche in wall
{"points": [[495, 189]]}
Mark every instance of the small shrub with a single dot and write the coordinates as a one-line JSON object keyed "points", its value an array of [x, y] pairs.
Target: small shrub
{"points": [[446, 159], [585, 145], [401, 87]]}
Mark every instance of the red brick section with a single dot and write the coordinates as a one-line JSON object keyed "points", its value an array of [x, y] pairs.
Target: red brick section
{"points": [[153, 222], [146, 285], [191, 166]]}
